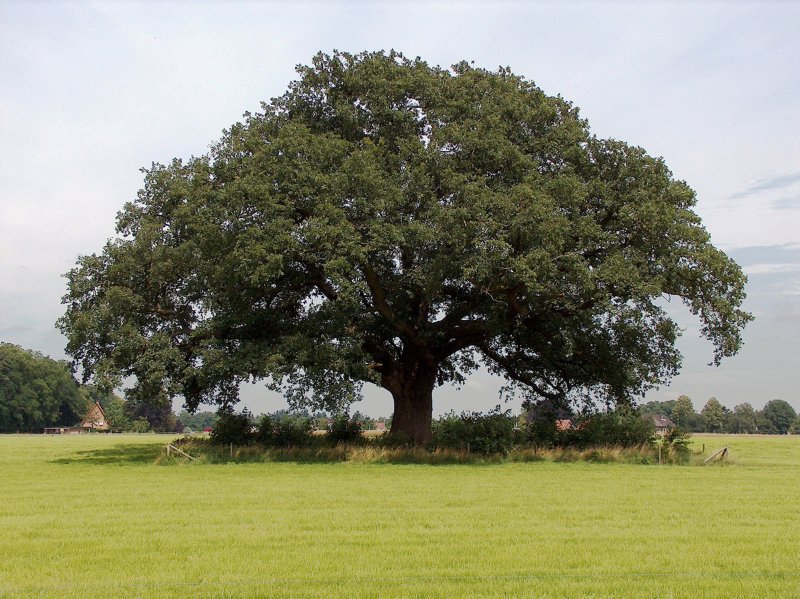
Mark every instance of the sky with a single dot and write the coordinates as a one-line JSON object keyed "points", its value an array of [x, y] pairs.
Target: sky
{"points": [[91, 92]]}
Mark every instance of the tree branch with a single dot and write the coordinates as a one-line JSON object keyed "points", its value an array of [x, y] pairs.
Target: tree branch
{"points": [[512, 373], [383, 307]]}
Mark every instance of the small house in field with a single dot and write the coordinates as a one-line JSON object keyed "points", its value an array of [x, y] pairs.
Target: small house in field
{"points": [[380, 425], [95, 420], [662, 423]]}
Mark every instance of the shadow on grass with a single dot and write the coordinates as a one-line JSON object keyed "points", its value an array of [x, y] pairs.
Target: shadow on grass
{"points": [[129, 453]]}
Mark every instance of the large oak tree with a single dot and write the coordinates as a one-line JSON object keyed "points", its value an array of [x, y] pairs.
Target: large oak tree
{"points": [[390, 222]]}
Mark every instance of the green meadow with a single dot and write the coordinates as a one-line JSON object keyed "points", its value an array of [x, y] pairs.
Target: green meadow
{"points": [[95, 516]]}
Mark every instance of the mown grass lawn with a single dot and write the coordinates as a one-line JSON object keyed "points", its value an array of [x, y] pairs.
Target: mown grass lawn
{"points": [[94, 516]]}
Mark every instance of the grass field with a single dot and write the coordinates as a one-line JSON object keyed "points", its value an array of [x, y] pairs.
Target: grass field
{"points": [[94, 516]]}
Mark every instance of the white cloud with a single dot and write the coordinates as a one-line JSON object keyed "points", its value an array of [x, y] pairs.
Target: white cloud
{"points": [[768, 269]]}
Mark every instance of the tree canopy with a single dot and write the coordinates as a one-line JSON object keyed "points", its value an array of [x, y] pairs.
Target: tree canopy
{"points": [[713, 414], [780, 414], [390, 222], [36, 391]]}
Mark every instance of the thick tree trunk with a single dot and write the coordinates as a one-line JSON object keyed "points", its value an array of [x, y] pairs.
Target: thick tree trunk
{"points": [[412, 390]]}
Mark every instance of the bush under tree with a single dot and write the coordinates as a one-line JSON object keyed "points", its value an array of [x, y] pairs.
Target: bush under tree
{"points": [[344, 429], [233, 428], [283, 429], [475, 432]]}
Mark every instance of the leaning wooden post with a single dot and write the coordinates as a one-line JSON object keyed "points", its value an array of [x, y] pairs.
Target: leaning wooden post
{"points": [[171, 448], [723, 451]]}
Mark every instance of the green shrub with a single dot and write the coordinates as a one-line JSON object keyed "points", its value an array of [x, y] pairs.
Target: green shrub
{"points": [[233, 428], [140, 425], [265, 431], [539, 426], [344, 429], [285, 430], [475, 432], [623, 427], [675, 446]]}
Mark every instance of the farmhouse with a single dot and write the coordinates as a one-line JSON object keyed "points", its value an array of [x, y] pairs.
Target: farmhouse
{"points": [[95, 419], [662, 423]]}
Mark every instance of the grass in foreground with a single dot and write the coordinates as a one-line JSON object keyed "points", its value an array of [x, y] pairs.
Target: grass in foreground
{"points": [[94, 516]]}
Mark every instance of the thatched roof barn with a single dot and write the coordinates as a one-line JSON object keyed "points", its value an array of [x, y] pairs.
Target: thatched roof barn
{"points": [[95, 419]]}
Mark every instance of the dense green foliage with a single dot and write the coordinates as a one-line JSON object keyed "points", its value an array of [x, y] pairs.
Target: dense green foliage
{"points": [[284, 429], [675, 446], [233, 428], [683, 414], [197, 421], [333, 530], [390, 222], [713, 415], [624, 427], [780, 414], [36, 391], [741, 420], [663, 408], [345, 429], [472, 431]]}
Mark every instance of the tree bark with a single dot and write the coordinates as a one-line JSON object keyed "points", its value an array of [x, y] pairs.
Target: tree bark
{"points": [[411, 386]]}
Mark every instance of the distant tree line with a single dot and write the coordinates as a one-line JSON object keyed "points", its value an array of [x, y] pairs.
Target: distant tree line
{"points": [[37, 392], [777, 417]]}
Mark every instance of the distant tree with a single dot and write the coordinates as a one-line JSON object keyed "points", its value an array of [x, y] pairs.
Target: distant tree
{"points": [[367, 423], [390, 222], [741, 420], [159, 415], [795, 428], [93, 394], [780, 414], [662, 408], [140, 425], [713, 416], [683, 412], [117, 414], [197, 421], [36, 391], [764, 425]]}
